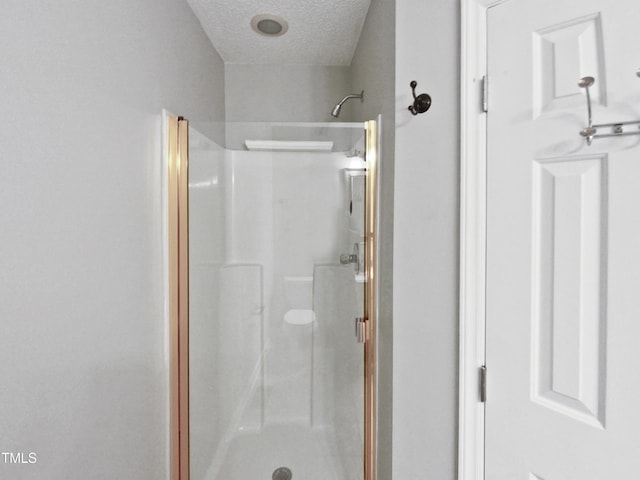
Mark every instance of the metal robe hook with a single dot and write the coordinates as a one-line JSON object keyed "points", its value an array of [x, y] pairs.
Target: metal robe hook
{"points": [[421, 103]]}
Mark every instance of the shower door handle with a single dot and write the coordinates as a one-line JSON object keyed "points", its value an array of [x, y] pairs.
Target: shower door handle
{"points": [[347, 258], [361, 329]]}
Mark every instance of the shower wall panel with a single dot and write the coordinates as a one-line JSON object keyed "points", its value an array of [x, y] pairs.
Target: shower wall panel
{"points": [[249, 212], [308, 208], [285, 213], [239, 347], [271, 220], [338, 393], [206, 251]]}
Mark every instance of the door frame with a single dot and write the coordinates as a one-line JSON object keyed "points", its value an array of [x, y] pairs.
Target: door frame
{"points": [[176, 238], [473, 210]]}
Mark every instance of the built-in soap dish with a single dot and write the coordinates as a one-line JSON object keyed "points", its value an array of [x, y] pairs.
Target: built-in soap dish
{"points": [[299, 316]]}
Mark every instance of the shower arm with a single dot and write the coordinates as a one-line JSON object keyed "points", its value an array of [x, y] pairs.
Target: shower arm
{"points": [[353, 95], [336, 110]]}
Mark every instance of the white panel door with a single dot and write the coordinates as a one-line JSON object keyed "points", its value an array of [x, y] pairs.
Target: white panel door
{"points": [[563, 243]]}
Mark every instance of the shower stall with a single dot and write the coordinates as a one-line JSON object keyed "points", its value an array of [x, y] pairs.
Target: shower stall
{"points": [[271, 290]]}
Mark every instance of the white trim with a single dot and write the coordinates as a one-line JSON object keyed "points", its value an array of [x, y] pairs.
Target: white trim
{"points": [[473, 60]]}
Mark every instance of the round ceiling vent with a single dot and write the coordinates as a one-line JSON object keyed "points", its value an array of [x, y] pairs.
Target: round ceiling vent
{"points": [[270, 25]]}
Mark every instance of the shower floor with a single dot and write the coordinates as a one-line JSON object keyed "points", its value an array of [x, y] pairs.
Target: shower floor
{"points": [[310, 454]]}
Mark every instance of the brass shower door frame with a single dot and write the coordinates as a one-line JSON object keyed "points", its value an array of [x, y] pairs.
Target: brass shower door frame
{"points": [[178, 246], [178, 229], [371, 298]]}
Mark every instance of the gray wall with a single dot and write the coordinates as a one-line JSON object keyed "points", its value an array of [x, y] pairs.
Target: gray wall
{"points": [[259, 94], [373, 70], [283, 93], [425, 303], [81, 301], [82, 350]]}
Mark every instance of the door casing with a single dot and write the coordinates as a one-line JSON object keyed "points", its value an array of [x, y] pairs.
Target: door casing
{"points": [[473, 209]]}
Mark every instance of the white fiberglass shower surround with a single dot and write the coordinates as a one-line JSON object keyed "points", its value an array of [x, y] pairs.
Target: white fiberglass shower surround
{"points": [[272, 291]]}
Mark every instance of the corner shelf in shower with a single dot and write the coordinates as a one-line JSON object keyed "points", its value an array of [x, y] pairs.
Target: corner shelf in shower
{"points": [[288, 146]]}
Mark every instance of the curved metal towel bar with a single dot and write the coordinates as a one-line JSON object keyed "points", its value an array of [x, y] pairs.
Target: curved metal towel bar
{"points": [[617, 129]]}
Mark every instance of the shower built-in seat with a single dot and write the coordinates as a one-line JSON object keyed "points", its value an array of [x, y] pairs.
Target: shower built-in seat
{"points": [[299, 300]]}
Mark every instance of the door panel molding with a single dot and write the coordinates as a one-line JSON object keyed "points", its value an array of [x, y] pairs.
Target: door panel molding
{"points": [[569, 286]]}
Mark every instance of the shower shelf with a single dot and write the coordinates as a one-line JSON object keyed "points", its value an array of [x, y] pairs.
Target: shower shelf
{"points": [[288, 146]]}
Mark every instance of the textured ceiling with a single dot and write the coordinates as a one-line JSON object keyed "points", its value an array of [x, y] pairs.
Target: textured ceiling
{"points": [[321, 32]]}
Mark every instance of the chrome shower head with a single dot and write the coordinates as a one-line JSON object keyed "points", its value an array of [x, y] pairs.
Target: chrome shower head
{"points": [[336, 110]]}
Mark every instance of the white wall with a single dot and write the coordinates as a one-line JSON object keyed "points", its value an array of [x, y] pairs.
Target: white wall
{"points": [[426, 243], [82, 349]]}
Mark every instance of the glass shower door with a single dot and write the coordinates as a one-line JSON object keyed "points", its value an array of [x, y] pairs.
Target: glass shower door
{"points": [[277, 277]]}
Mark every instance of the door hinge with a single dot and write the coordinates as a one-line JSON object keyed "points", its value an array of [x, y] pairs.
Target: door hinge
{"points": [[362, 329], [485, 93], [483, 384]]}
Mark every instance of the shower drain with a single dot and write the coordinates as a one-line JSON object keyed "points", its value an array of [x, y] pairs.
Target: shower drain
{"points": [[281, 473]]}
